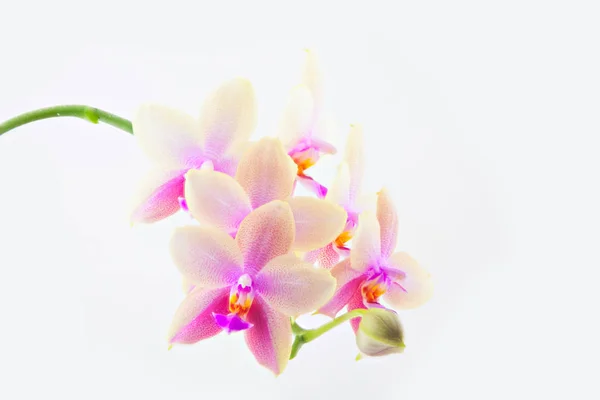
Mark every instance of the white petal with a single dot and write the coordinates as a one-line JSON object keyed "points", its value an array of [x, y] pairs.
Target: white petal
{"points": [[312, 77], [294, 287], [339, 192], [216, 199], [297, 117], [355, 158], [366, 244], [415, 289], [228, 116], [169, 137], [318, 222]]}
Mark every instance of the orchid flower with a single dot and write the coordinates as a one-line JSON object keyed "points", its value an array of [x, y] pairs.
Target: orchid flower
{"points": [[303, 125], [265, 173], [251, 283], [176, 142], [345, 191], [374, 270]]}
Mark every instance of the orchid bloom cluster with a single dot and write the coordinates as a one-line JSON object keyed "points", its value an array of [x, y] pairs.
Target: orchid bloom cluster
{"points": [[256, 255]]}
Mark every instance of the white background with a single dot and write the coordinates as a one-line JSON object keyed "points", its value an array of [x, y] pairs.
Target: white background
{"points": [[481, 117]]}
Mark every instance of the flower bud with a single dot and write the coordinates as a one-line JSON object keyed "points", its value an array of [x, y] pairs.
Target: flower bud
{"points": [[379, 333]]}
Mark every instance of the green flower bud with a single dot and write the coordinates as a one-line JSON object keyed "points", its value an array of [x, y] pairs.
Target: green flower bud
{"points": [[379, 333]]}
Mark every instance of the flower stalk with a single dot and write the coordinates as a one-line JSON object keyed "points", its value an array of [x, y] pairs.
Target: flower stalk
{"points": [[304, 336], [91, 114]]}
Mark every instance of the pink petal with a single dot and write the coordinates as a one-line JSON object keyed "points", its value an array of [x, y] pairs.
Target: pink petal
{"points": [[294, 287], [193, 320], [216, 199], [296, 122], [412, 291], [348, 283], [354, 157], [355, 302], [270, 339], [388, 223], [265, 233], [266, 172], [228, 116], [323, 146], [158, 196], [313, 186], [169, 137], [366, 244], [318, 222], [206, 256]]}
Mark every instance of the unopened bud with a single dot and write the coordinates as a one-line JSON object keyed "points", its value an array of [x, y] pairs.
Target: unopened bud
{"points": [[379, 333]]}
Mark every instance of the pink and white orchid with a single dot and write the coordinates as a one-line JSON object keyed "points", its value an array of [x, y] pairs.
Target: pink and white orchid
{"points": [[345, 191], [303, 125], [374, 270], [176, 142], [250, 283], [265, 173]]}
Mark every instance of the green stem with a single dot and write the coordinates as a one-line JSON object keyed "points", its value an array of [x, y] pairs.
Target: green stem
{"points": [[91, 114], [304, 336]]}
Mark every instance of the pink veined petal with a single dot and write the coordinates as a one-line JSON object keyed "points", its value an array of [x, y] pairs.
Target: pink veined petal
{"points": [[294, 287], [206, 256], [414, 290], [297, 117], [266, 233], [339, 191], [318, 222], [270, 339], [366, 244], [228, 116], [158, 196], [193, 320], [169, 137], [266, 172], [355, 302], [216, 199], [388, 223], [348, 283], [310, 184]]}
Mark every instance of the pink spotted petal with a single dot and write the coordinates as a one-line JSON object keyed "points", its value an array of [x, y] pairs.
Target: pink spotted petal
{"points": [[388, 223], [169, 137], [216, 199], [266, 172], [270, 339], [228, 116], [266, 233], [348, 283], [318, 222], [329, 256], [193, 320], [412, 291], [355, 302], [366, 244], [158, 196], [294, 287], [354, 157], [206, 256], [313, 186]]}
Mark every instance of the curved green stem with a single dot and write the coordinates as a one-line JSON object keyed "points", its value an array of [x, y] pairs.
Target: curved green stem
{"points": [[304, 336], [91, 114]]}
